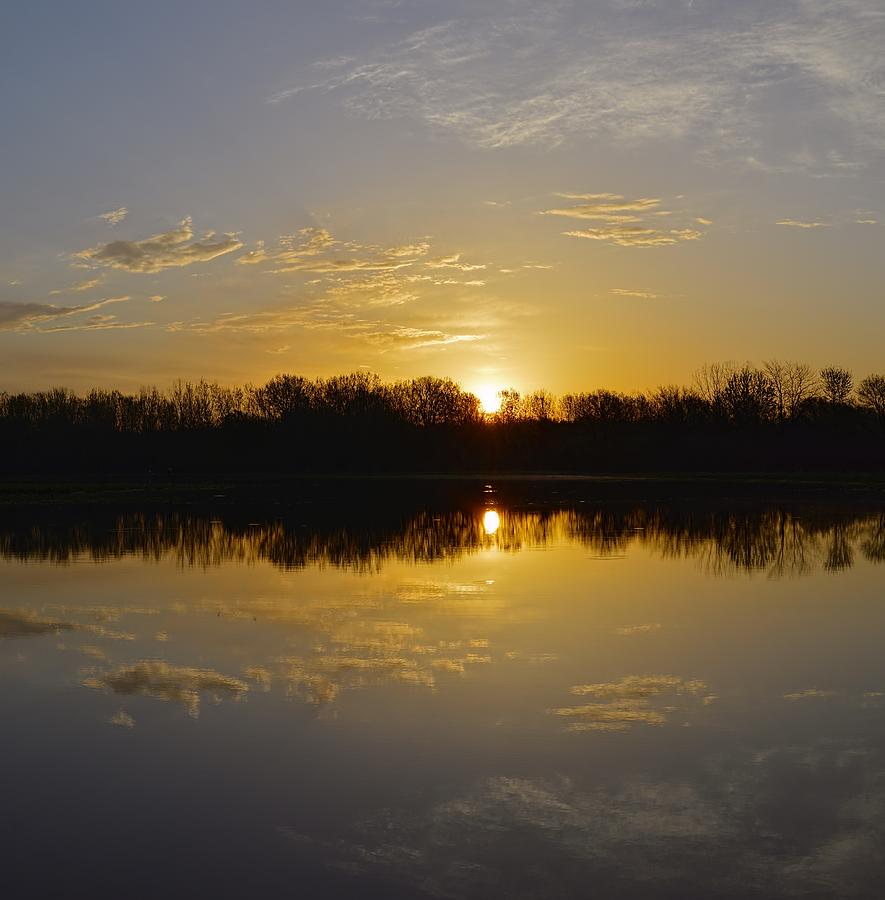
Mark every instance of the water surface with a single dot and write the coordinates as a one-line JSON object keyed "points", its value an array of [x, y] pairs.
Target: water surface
{"points": [[478, 699]]}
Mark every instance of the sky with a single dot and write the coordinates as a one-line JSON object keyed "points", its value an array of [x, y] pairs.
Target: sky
{"points": [[568, 195]]}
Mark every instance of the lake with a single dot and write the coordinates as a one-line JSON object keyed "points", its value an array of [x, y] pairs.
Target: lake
{"points": [[473, 694]]}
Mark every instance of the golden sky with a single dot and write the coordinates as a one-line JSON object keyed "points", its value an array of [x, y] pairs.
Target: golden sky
{"points": [[557, 194]]}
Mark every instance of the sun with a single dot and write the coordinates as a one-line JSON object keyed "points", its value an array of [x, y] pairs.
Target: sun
{"points": [[489, 400]]}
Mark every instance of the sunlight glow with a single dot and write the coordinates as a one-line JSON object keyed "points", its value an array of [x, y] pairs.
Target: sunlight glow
{"points": [[489, 398], [491, 521]]}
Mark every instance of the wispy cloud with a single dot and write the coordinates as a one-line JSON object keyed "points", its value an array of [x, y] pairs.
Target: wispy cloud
{"points": [[630, 630], [178, 684], [80, 286], [360, 291], [344, 264], [606, 207], [321, 317], [309, 251], [638, 295], [721, 76], [114, 216], [96, 323], [122, 719], [453, 262], [622, 221], [619, 705], [625, 831], [794, 223], [409, 251], [634, 687], [636, 236], [308, 242], [810, 694], [376, 289], [25, 316], [20, 623], [167, 250]]}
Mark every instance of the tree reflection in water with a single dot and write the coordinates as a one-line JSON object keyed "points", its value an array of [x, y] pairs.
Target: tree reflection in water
{"points": [[777, 540]]}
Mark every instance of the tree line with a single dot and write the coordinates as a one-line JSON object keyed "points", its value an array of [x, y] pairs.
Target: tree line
{"points": [[774, 416]]}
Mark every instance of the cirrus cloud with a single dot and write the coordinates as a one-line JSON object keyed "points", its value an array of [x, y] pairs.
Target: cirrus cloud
{"points": [[80, 286], [304, 252], [637, 295], [635, 236], [321, 317], [721, 76], [452, 262], [605, 207], [622, 221]]}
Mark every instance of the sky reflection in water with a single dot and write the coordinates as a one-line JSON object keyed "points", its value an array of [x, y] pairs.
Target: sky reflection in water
{"points": [[641, 701]]}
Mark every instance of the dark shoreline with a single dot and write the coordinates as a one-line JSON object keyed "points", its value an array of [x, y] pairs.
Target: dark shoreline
{"points": [[535, 488]]}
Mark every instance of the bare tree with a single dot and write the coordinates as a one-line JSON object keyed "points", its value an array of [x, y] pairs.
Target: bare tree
{"points": [[710, 380], [604, 406], [871, 394], [677, 405], [284, 396], [430, 401], [540, 405], [792, 383], [800, 385], [510, 409], [748, 396], [777, 375], [836, 384]]}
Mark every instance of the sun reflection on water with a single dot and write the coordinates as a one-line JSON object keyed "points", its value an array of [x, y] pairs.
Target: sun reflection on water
{"points": [[491, 521]]}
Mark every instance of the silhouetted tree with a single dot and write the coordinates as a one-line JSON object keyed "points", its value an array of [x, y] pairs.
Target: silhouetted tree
{"points": [[793, 383], [601, 406], [836, 384], [674, 405], [284, 397], [510, 409], [871, 394], [710, 381], [735, 416], [540, 405], [436, 401], [748, 396]]}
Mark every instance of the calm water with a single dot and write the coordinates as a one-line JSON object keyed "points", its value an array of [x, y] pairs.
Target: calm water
{"points": [[591, 700]]}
